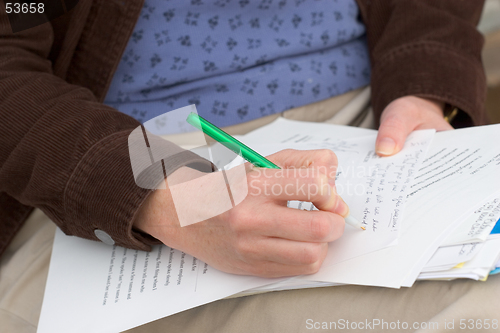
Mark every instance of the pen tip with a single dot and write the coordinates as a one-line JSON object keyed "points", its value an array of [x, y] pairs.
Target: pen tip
{"points": [[363, 228]]}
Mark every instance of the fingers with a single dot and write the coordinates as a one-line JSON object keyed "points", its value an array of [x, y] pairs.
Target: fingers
{"points": [[277, 257], [395, 126], [404, 115], [322, 159], [302, 226], [297, 184]]}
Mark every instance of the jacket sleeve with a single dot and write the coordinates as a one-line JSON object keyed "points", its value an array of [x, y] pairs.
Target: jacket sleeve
{"points": [[64, 152], [427, 48]]}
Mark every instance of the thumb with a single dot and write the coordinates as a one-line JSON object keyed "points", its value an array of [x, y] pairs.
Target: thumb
{"points": [[395, 126]]}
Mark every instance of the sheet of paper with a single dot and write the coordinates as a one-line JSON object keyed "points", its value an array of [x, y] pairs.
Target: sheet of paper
{"points": [[477, 268], [374, 188], [452, 255], [285, 130], [288, 284], [458, 184], [93, 287], [477, 226]]}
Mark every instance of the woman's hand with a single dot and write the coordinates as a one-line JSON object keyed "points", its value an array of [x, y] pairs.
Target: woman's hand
{"points": [[404, 115], [261, 235]]}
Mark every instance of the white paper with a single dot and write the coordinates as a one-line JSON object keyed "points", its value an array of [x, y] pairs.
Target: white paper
{"points": [[284, 130], [439, 202], [477, 268], [93, 287], [477, 226], [452, 255]]}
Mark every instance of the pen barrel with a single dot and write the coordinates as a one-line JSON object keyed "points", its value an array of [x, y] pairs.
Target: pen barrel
{"points": [[231, 143]]}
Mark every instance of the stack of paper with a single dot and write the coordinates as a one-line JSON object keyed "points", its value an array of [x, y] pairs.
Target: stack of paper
{"points": [[430, 213], [454, 199], [472, 258]]}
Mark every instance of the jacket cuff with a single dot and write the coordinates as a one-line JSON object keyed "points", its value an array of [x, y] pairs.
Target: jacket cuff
{"points": [[430, 70], [102, 192]]}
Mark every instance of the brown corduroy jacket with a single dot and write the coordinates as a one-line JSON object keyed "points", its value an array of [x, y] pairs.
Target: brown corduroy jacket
{"points": [[66, 153]]}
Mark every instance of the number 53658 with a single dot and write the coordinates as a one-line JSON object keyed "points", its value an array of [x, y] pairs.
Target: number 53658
{"points": [[16, 8]]}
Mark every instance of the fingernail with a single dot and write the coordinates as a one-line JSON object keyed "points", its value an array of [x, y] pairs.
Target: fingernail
{"points": [[386, 146], [341, 208]]}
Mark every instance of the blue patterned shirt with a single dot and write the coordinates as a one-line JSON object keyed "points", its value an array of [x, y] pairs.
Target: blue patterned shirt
{"points": [[238, 60]]}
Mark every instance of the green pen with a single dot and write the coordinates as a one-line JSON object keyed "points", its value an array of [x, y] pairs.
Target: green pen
{"points": [[228, 141], [246, 152]]}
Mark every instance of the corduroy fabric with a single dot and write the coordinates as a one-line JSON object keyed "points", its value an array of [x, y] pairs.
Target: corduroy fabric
{"points": [[62, 150], [428, 48]]}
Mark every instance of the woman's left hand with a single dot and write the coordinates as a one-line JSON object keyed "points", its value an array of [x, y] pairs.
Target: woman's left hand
{"points": [[404, 115]]}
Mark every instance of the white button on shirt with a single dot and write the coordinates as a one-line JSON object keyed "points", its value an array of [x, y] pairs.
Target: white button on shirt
{"points": [[104, 237]]}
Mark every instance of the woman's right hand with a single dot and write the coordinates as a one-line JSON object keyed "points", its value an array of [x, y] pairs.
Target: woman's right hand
{"points": [[260, 235]]}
